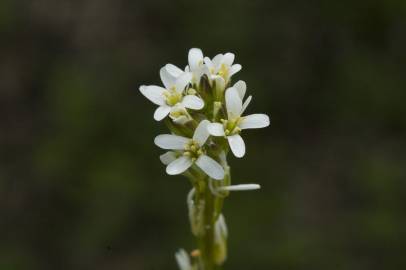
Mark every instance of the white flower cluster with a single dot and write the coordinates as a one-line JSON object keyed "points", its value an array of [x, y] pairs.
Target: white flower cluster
{"points": [[204, 113]]}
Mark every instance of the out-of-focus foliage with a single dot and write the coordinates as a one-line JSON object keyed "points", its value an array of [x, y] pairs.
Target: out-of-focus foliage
{"points": [[81, 185]]}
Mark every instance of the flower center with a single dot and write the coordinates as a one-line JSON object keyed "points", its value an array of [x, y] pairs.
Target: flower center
{"points": [[172, 96], [193, 150], [231, 126], [223, 72]]}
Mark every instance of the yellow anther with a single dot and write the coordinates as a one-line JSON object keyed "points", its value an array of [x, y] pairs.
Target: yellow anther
{"points": [[172, 96]]}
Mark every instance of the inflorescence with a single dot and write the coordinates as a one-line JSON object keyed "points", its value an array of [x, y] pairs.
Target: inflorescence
{"points": [[204, 112]]}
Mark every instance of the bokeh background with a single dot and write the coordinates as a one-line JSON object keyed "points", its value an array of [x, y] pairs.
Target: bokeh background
{"points": [[81, 185]]}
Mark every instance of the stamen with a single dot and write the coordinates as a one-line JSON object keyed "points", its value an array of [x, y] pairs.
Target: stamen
{"points": [[193, 150]]}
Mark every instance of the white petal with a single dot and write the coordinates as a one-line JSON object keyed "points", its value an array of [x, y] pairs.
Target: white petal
{"points": [[173, 70], [179, 165], [153, 93], [246, 103], [198, 73], [254, 121], [161, 112], [195, 58], [241, 87], [168, 157], [209, 63], [211, 167], [201, 133], [237, 145], [171, 142], [181, 120], [217, 60], [240, 187], [233, 103], [167, 79], [216, 129], [182, 81], [234, 69], [205, 70], [228, 59], [193, 102]]}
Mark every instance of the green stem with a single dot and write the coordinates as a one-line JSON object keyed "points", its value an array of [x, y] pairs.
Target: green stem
{"points": [[212, 208]]}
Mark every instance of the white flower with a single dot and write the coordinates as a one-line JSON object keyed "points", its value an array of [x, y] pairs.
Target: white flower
{"points": [[222, 66], [241, 88], [171, 95], [195, 66], [183, 260], [192, 152], [232, 127]]}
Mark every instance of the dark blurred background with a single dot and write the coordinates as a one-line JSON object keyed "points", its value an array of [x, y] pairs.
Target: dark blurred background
{"points": [[81, 185]]}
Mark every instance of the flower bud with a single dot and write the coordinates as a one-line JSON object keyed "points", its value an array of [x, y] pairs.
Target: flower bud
{"points": [[196, 214], [216, 108], [220, 240], [219, 87]]}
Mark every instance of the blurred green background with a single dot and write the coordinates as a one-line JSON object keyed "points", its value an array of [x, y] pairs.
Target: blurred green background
{"points": [[81, 185]]}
